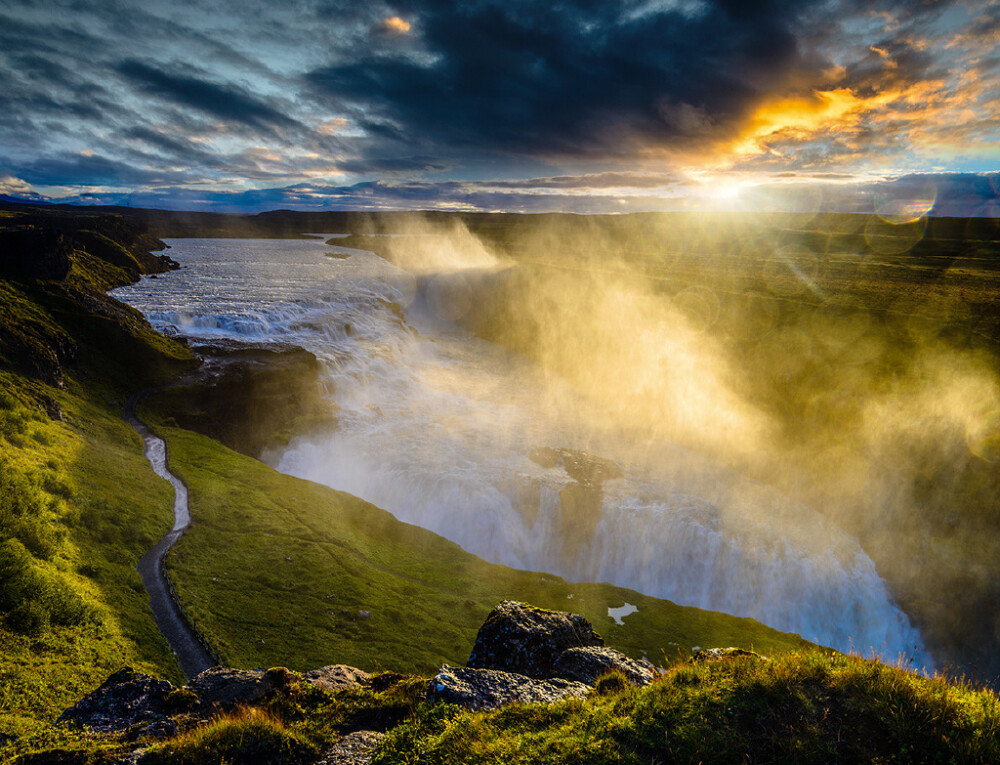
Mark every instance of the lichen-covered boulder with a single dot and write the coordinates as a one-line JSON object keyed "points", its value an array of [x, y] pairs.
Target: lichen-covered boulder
{"points": [[127, 698], [357, 748], [714, 654], [482, 689], [335, 677], [527, 640], [587, 664], [228, 687]]}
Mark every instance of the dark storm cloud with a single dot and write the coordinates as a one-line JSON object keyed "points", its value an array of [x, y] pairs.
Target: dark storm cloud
{"points": [[99, 170], [573, 77], [226, 103]]}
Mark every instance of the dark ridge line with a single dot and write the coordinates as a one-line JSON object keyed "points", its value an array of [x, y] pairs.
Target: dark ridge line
{"points": [[192, 653]]}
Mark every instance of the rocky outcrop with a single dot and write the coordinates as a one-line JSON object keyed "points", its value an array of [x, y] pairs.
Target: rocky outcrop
{"points": [[581, 499], [336, 677], [585, 468], [483, 689], [250, 397], [126, 699], [527, 640], [587, 664], [228, 687], [356, 748], [35, 253]]}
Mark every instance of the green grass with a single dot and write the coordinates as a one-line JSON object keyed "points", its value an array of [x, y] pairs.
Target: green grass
{"points": [[247, 737], [69, 539], [801, 707], [276, 570]]}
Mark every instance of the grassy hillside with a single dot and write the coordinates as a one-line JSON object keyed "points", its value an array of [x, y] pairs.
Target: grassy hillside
{"points": [[72, 607], [266, 551]]}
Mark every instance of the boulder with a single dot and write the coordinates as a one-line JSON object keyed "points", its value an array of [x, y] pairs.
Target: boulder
{"points": [[125, 699], [483, 689], [713, 654], [527, 640], [335, 677], [356, 748], [587, 664], [228, 687]]}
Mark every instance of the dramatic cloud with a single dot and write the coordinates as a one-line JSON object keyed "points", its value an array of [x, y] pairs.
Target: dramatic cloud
{"points": [[490, 105], [212, 99]]}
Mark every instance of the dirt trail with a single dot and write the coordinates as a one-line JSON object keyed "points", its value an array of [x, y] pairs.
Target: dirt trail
{"points": [[191, 653]]}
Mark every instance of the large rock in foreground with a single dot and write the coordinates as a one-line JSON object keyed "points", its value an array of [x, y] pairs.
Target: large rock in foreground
{"points": [[483, 689], [229, 687], [587, 664], [127, 698], [527, 640]]}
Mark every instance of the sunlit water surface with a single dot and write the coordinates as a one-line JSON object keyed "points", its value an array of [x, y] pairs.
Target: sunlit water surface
{"points": [[437, 427]]}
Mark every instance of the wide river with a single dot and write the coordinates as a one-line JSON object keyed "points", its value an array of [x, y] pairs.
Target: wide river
{"points": [[460, 436]]}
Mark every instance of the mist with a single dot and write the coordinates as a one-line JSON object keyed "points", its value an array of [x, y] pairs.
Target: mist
{"points": [[840, 368]]}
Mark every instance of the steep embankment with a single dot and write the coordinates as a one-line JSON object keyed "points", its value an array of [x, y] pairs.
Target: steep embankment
{"points": [[72, 605]]}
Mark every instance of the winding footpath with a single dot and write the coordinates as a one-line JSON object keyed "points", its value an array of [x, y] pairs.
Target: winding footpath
{"points": [[191, 653]]}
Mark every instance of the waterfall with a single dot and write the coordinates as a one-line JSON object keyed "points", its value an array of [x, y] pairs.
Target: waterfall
{"points": [[459, 436]]}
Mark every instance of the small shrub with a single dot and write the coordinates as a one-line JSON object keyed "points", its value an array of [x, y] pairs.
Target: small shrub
{"points": [[611, 683], [181, 700]]}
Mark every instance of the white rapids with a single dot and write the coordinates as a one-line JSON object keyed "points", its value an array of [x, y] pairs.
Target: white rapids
{"points": [[437, 427]]}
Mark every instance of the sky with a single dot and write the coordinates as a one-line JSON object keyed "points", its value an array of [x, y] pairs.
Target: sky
{"points": [[575, 106]]}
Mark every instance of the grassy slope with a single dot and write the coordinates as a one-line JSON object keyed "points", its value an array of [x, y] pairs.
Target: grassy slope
{"points": [[275, 570], [801, 707], [89, 531], [101, 533]]}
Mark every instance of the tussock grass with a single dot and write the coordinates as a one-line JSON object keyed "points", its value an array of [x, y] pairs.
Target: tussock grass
{"points": [[807, 706], [245, 737]]}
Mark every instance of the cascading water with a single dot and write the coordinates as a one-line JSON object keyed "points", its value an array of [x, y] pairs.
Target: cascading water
{"points": [[461, 437]]}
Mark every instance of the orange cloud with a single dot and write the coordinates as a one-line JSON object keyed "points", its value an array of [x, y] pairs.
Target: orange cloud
{"points": [[798, 117], [394, 25]]}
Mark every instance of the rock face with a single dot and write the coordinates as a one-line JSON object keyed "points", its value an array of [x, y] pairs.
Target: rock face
{"points": [[581, 499], [35, 253], [586, 665], [527, 640], [125, 699], [588, 469], [335, 677], [483, 689], [228, 687], [250, 397]]}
